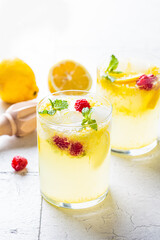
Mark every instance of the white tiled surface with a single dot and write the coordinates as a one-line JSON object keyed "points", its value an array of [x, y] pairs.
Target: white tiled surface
{"points": [[42, 33]]}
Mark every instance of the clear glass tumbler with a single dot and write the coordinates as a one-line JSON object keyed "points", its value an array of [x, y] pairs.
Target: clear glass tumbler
{"points": [[131, 82], [74, 148]]}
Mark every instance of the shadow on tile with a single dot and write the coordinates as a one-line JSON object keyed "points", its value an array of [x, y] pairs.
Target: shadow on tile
{"points": [[150, 161], [98, 220]]}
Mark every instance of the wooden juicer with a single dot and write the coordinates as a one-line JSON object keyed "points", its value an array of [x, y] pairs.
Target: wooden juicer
{"points": [[19, 119]]}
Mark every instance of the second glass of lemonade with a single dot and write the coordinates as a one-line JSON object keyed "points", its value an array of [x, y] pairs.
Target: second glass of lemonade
{"points": [[132, 84], [74, 148]]}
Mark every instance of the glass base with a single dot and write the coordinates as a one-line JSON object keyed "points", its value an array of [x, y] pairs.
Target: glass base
{"points": [[76, 205], [136, 152]]}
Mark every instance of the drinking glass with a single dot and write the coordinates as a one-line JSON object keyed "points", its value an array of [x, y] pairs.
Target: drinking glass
{"points": [[134, 92], [74, 160]]}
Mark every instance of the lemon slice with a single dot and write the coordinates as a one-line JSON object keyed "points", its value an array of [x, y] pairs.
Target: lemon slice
{"points": [[99, 156], [128, 78]]}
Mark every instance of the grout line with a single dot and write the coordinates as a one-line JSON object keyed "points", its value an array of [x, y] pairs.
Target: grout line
{"points": [[39, 232], [3, 172]]}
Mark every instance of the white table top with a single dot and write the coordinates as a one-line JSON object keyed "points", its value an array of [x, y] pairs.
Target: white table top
{"points": [[42, 33]]}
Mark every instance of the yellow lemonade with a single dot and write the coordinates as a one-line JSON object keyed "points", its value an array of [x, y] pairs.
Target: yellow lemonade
{"points": [[134, 91], [74, 157]]}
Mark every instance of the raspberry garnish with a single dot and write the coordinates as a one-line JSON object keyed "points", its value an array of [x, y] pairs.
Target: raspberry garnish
{"points": [[76, 149], [19, 163], [61, 142], [80, 104], [146, 81]]}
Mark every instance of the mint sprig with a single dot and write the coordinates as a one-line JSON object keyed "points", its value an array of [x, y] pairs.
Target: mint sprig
{"points": [[59, 104], [113, 64], [87, 121], [56, 105]]}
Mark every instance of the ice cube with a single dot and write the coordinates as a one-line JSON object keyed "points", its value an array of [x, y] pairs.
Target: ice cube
{"points": [[56, 118], [70, 117], [100, 113]]}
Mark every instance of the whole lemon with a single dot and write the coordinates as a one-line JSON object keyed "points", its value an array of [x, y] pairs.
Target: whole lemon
{"points": [[17, 81]]}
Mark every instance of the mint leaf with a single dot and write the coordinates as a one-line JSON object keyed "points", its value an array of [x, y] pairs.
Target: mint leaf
{"points": [[87, 121], [93, 124], [85, 111], [50, 112], [43, 112], [118, 72], [52, 103], [113, 64], [57, 105], [112, 79], [84, 121], [60, 104]]}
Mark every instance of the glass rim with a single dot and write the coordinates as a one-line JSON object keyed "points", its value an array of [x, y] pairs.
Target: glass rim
{"points": [[72, 125]]}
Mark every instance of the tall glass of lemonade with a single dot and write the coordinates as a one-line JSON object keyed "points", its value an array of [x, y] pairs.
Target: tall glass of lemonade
{"points": [[132, 84], [74, 148]]}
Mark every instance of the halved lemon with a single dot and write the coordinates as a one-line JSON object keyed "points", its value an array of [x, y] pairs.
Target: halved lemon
{"points": [[69, 75]]}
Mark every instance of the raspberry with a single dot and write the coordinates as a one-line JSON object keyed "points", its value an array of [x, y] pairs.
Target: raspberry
{"points": [[19, 163], [76, 149], [146, 82], [80, 104], [62, 143]]}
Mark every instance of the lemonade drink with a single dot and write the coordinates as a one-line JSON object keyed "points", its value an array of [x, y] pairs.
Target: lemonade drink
{"points": [[134, 91], [74, 153]]}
